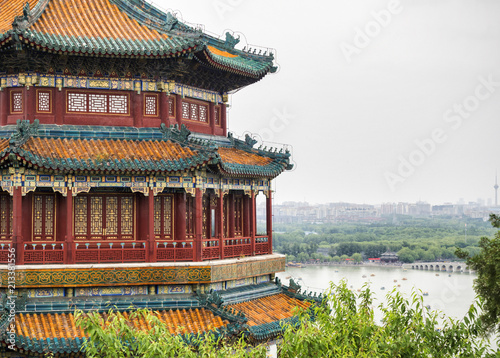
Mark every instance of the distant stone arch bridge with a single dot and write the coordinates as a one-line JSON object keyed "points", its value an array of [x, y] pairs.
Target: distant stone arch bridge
{"points": [[439, 266]]}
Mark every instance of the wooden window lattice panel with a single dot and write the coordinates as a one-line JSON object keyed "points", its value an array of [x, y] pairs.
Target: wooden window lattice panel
{"points": [[171, 106], [151, 105], [108, 217], [77, 102], [43, 104], [163, 218], [195, 112], [80, 216], [118, 104], [203, 114], [98, 103], [43, 217], [127, 217], [185, 110], [6, 215], [17, 102], [224, 219], [96, 215], [205, 218], [238, 216], [111, 215], [190, 217], [217, 116]]}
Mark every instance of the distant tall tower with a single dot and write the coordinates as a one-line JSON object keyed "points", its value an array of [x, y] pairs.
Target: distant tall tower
{"points": [[496, 189]]}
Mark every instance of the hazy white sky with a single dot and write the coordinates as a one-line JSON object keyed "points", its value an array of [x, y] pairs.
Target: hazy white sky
{"points": [[380, 100]]}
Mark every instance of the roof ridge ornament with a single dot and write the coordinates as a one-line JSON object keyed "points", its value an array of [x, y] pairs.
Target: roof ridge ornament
{"points": [[231, 41], [170, 22], [23, 21], [174, 133], [24, 131]]}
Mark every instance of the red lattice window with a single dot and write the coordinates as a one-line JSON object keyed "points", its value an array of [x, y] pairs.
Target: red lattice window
{"points": [[238, 216], [98, 103], [150, 105], [43, 101], [225, 210], [43, 217], [190, 217], [118, 103], [163, 217], [5, 217], [217, 116], [101, 103], [195, 112], [206, 217], [16, 102], [104, 217], [171, 106]]}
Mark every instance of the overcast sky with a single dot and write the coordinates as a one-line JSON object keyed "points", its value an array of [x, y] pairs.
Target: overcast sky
{"points": [[381, 101]]}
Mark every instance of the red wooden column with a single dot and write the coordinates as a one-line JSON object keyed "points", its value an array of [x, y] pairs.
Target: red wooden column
{"points": [[29, 103], [253, 226], [151, 247], [211, 111], [17, 223], [223, 117], [164, 109], [269, 220], [220, 222], [69, 244], [198, 225], [178, 109], [180, 217], [230, 216], [4, 106], [59, 105]]}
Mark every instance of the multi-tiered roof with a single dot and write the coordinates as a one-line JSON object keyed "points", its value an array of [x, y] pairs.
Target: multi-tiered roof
{"points": [[116, 30]]}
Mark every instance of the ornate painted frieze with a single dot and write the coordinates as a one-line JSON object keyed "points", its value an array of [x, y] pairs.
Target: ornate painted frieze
{"points": [[122, 84], [141, 276], [32, 179], [112, 291]]}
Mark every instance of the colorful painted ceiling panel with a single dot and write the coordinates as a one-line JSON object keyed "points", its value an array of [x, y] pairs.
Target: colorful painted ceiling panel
{"points": [[58, 332], [269, 309]]}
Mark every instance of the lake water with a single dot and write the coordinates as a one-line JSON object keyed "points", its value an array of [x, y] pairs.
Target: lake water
{"points": [[451, 293]]}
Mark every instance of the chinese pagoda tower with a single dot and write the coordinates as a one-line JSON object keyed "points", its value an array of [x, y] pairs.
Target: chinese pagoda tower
{"points": [[120, 183]]}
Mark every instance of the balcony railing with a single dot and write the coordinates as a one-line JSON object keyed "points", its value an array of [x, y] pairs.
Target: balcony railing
{"points": [[44, 253], [136, 251], [174, 251], [110, 251]]}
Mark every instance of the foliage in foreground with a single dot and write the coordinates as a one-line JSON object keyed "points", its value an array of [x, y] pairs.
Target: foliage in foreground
{"points": [[348, 329], [487, 284], [116, 337], [343, 327]]}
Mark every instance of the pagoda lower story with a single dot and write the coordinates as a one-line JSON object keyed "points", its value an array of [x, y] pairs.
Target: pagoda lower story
{"points": [[166, 222]]}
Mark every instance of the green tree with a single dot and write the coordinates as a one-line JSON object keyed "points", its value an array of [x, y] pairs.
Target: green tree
{"points": [[344, 326], [357, 257], [115, 337], [487, 284], [406, 255]]}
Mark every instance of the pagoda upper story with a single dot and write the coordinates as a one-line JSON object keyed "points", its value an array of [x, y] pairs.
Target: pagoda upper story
{"points": [[117, 63]]}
